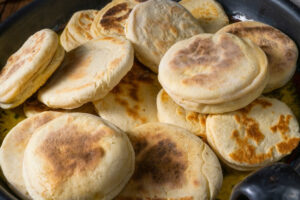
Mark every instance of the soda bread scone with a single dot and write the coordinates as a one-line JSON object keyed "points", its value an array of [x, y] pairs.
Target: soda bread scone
{"points": [[261, 133], [88, 73], [77, 156]]}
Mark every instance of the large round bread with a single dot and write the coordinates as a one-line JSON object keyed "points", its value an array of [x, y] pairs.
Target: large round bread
{"points": [[210, 14], [77, 156], [257, 135], [281, 50], [171, 163], [155, 25], [213, 69], [88, 73], [78, 29], [133, 101], [34, 55], [13, 148], [170, 112]]}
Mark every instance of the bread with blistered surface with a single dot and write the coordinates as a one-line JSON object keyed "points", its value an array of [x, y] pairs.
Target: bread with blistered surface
{"points": [[77, 156], [171, 163], [261, 133]]}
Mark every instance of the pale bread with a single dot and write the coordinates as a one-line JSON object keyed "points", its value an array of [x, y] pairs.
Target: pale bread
{"points": [[13, 148], [88, 73], [133, 101], [37, 80], [170, 112], [111, 20], [22, 67], [77, 156], [210, 14], [213, 69], [171, 163], [281, 50], [255, 136], [33, 107], [155, 25], [78, 29]]}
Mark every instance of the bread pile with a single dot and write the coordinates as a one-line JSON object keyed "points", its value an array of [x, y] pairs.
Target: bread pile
{"points": [[106, 126]]}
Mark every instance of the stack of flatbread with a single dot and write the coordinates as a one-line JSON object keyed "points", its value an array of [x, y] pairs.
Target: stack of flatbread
{"points": [[149, 95]]}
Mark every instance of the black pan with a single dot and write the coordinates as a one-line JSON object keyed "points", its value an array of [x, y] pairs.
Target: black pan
{"points": [[282, 14]]}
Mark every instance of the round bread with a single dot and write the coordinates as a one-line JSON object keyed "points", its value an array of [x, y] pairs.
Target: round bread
{"points": [[155, 25], [37, 80], [77, 156], [78, 29], [88, 73], [32, 58], [281, 51], [133, 101], [111, 19], [13, 148], [210, 14], [170, 112], [257, 135], [213, 69], [171, 163], [33, 107]]}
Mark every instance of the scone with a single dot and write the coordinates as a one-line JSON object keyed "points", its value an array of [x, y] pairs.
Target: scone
{"points": [[133, 101], [111, 20], [170, 112], [210, 14], [171, 163], [261, 133], [88, 73], [13, 148], [33, 107], [78, 29], [281, 50], [77, 156], [29, 68], [213, 70], [155, 25]]}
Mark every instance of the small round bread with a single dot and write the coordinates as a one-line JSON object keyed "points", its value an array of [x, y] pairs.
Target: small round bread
{"points": [[210, 14], [155, 25], [261, 133], [133, 101], [281, 50], [213, 69], [77, 156], [33, 107], [111, 19], [171, 163], [29, 68], [170, 112], [13, 148], [78, 29], [88, 73]]}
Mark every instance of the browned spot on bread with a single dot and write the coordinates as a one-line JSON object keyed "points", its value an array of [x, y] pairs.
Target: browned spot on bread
{"points": [[164, 96], [287, 146], [115, 17], [204, 54], [76, 66], [246, 152], [163, 163], [282, 125], [196, 183], [139, 144], [71, 151]]}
